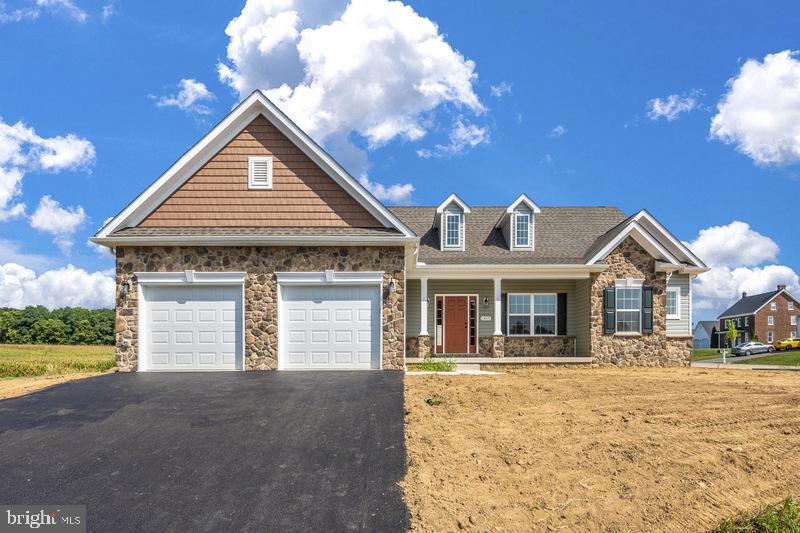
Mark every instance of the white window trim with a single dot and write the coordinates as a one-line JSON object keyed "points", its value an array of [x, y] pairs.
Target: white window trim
{"points": [[770, 336], [771, 320], [793, 320], [790, 305], [793, 334], [445, 218], [773, 306], [627, 284], [250, 162], [532, 314], [677, 291], [514, 241], [746, 322]]}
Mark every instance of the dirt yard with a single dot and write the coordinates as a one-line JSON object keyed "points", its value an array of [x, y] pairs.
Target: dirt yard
{"points": [[11, 387], [599, 449]]}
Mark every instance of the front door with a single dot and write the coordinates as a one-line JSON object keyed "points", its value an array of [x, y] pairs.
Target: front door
{"points": [[455, 324]]}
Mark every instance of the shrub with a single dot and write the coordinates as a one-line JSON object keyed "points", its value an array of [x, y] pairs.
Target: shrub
{"points": [[769, 519], [430, 365]]}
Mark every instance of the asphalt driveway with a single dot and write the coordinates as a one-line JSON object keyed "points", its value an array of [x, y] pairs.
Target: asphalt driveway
{"points": [[244, 451]]}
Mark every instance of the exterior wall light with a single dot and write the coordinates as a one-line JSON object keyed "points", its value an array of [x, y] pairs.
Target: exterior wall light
{"points": [[392, 286], [125, 289]]}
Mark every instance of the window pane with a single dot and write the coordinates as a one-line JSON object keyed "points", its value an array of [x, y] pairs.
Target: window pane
{"points": [[544, 304], [519, 304], [519, 325], [629, 299], [672, 303], [627, 321], [453, 232], [523, 225], [544, 325]]}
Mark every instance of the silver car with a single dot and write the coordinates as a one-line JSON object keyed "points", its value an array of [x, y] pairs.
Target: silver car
{"points": [[750, 348]]}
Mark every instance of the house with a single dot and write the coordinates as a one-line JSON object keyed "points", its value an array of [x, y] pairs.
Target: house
{"points": [[768, 317], [704, 332], [257, 250]]}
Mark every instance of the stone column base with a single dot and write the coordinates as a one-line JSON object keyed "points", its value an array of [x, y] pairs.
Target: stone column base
{"points": [[424, 345], [498, 346]]}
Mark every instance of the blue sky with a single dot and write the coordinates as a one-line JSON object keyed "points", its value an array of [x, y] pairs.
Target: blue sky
{"points": [[552, 99]]}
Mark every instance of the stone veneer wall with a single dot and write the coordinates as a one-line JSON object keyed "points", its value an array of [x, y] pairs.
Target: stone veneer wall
{"points": [[260, 300], [506, 347], [630, 260]]}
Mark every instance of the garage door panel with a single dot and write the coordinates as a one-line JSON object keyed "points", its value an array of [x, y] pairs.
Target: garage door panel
{"points": [[193, 328], [343, 319]]}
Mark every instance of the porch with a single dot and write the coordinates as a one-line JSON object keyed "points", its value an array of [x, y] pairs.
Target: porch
{"points": [[508, 320]]}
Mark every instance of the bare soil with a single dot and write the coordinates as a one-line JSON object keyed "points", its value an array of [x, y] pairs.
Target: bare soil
{"points": [[11, 387], [599, 449]]}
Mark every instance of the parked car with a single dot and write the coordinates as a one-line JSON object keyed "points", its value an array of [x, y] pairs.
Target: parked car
{"points": [[749, 348], [787, 344]]}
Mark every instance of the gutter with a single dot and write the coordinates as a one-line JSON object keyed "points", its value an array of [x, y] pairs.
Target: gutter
{"points": [[252, 240]]}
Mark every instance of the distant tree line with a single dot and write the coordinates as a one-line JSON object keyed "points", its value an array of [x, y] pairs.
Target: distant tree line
{"points": [[68, 325]]}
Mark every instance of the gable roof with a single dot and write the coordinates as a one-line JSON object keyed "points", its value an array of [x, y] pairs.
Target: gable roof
{"points": [[254, 105], [707, 326], [563, 235], [453, 199], [751, 304]]}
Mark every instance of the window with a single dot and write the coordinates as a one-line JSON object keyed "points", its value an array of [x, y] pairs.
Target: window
{"points": [[452, 237], [773, 306], [770, 337], [522, 226], [673, 302], [519, 314], [746, 321], [793, 334], [259, 172], [534, 313], [739, 322], [770, 320], [629, 310], [790, 306], [793, 320]]}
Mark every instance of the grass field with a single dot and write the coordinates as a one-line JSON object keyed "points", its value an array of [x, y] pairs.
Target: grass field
{"points": [[700, 354], [33, 360], [780, 359]]}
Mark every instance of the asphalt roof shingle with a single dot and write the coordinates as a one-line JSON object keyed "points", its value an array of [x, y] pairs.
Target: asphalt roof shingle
{"points": [[749, 304], [562, 235], [200, 231]]}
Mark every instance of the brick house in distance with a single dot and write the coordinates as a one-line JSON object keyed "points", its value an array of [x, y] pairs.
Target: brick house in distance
{"points": [[769, 317]]}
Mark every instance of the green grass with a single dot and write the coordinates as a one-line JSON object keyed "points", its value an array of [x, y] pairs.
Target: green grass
{"points": [[29, 360], [700, 354], [780, 359], [430, 365], [770, 519]]}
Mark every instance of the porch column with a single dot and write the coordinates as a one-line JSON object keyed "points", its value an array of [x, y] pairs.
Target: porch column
{"points": [[423, 306], [498, 308]]}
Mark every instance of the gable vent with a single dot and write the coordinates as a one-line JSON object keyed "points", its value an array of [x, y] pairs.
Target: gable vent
{"points": [[259, 172]]}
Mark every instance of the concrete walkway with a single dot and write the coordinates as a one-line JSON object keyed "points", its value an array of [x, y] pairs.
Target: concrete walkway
{"points": [[738, 357], [735, 366]]}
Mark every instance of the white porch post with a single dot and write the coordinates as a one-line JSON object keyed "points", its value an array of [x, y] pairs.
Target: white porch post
{"points": [[423, 306], [498, 308]]}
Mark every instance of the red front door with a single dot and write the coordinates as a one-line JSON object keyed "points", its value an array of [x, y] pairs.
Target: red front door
{"points": [[455, 324]]}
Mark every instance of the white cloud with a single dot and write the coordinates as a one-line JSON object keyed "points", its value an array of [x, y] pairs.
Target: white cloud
{"points": [[734, 245], [394, 194], [66, 7], [58, 221], [760, 113], [68, 286], [11, 252], [190, 98], [108, 11], [737, 255], [671, 107], [500, 89], [374, 67], [558, 131], [103, 251], [23, 150], [462, 137]]}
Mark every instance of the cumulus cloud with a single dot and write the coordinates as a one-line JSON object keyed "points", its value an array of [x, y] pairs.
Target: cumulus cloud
{"points": [[69, 286], [58, 221], [558, 131], [760, 113], [23, 150], [373, 68], [737, 255], [66, 7], [463, 136], [394, 194], [190, 97], [500, 89], [672, 106]]}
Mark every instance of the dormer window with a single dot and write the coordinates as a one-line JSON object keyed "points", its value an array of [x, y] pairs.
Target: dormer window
{"points": [[522, 230], [452, 224]]}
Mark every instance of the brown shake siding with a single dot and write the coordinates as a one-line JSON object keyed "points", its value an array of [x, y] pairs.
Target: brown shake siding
{"points": [[302, 194]]}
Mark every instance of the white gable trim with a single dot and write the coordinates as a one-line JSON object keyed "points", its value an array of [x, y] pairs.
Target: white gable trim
{"points": [[453, 198], [644, 215], [635, 230], [523, 199], [782, 291], [254, 105]]}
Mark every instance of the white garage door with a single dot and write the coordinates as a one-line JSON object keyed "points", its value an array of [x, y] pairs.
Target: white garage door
{"points": [[330, 327], [193, 328]]}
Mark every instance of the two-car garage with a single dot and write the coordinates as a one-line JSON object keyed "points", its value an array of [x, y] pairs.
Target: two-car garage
{"points": [[193, 321]]}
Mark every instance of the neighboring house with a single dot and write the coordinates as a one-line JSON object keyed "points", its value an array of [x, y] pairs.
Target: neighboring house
{"points": [[704, 332], [769, 317], [256, 250]]}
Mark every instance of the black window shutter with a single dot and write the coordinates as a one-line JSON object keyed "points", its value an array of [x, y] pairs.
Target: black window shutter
{"points": [[503, 313], [647, 309], [561, 326], [609, 309]]}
